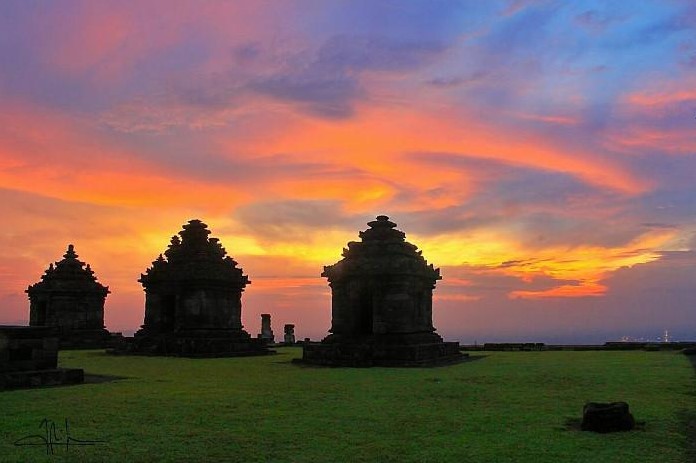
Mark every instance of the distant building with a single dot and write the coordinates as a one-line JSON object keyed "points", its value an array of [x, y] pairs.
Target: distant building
{"points": [[193, 300], [381, 302], [69, 299]]}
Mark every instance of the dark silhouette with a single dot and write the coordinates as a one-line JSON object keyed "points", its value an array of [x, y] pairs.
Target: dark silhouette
{"points": [[607, 417], [29, 358], [266, 332], [193, 301], [69, 299], [289, 335], [382, 293]]}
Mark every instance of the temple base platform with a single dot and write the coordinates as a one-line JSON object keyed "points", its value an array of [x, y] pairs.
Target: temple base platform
{"points": [[194, 344], [394, 350]]}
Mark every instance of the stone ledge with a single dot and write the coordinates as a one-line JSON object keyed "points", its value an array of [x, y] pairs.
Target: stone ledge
{"points": [[40, 378], [386, 355]]}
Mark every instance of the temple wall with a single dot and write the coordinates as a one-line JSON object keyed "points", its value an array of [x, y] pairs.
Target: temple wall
{"points": [[206, 308], [68, 312], [395, 306]]}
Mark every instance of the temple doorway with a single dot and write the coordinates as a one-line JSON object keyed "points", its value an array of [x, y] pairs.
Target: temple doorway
{"points": [[169, 311], [365, 313]]}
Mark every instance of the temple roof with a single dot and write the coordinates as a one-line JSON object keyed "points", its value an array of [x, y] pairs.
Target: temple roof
{"points": [[69, 274], [383, 251], [194, 257]]}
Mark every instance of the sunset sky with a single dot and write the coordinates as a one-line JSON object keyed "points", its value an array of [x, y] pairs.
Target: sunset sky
{"points": [[541, 153]]}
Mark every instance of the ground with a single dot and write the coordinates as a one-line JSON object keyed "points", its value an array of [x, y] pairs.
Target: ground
{"points": [[500, 407]]}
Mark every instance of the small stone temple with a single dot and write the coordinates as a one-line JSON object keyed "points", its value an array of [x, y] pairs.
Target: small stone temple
{"points": [[29, 358], [193, 301], [382, 293], [69, 299]]}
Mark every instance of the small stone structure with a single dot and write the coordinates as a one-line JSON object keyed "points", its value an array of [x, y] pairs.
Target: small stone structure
{"points": [[289, 336], [69, 299], [607, 417], [193, 301], [29, 358], [382, 305], [266, 332]]}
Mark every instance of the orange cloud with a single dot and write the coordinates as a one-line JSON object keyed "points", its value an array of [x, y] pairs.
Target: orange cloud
{"points": [[378, 136], [584, 289], [64, 157], [492, 252], [680, 92], [672, 140]]}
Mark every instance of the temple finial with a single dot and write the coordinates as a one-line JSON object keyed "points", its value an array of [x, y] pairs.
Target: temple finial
{"points": [[70, 253]]}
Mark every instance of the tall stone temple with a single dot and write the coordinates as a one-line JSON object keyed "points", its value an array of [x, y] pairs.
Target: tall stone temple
{"points": [[382, 294], [70, 299], [193, 300]]}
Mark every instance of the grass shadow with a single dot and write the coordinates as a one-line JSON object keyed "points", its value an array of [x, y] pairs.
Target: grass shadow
{"points": [[575, 424], [91, 378]]}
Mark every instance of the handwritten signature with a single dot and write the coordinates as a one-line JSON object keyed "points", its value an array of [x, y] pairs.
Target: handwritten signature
{"points": [[53, 438]]}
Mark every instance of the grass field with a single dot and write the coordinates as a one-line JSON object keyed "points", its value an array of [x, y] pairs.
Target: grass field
{"points": [[504, 407]]}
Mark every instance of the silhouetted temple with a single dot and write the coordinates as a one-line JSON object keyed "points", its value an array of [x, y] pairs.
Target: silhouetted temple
{"points": [[69, 299], [193, 300], [382, 294]]}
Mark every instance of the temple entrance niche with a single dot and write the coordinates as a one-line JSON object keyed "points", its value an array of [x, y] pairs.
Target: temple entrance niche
{"points": [[362, 309], [71, 300], [40, 309], [381, 305], [193, 301], [168, 312]]}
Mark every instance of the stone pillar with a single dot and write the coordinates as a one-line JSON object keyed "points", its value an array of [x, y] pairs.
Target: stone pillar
{"points": [[289, 334], [266, 331]]}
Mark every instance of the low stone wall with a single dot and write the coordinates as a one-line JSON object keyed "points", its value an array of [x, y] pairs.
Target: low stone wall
{"points": [[26, 348], [194, 345], [504, 346], [29, 358]]}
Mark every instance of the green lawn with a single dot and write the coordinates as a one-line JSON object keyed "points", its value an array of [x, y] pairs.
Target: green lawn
{"points": [[505, 407]]}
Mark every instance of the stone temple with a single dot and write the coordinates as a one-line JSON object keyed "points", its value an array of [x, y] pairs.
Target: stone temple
{"points": [[193, 301], [69, 299], [382, 293]]}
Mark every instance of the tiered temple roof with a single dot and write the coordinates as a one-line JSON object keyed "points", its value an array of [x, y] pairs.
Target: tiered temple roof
{"points": [[69, 274], [195, 257], [382, 251]]}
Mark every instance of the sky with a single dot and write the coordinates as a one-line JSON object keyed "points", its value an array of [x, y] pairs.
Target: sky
{"points": [[541, 153]]}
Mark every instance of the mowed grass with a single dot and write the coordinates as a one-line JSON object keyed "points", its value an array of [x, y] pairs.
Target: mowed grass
{"points": [[504, 407]]}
